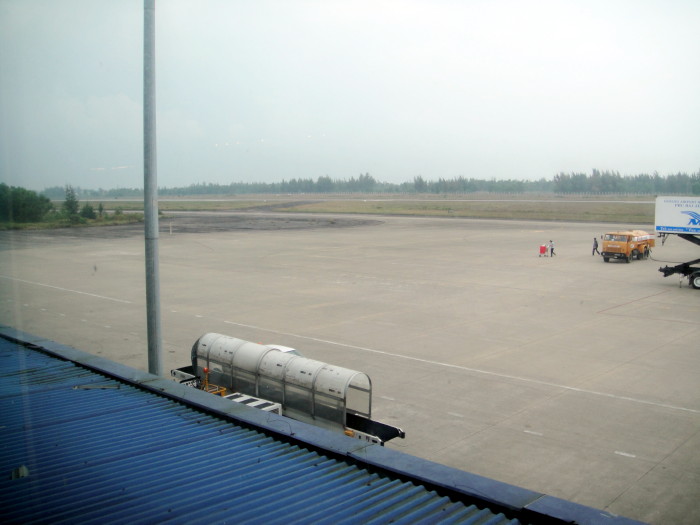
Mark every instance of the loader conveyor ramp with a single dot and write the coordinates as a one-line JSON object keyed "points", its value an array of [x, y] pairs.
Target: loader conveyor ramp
{"points": [[308, 390]]}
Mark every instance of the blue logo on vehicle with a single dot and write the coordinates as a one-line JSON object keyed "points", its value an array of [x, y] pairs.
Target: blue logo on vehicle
{"points": [[694, 218]]}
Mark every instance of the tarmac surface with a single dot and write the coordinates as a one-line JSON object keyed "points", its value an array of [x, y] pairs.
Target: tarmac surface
{"points": [[564, 374]]}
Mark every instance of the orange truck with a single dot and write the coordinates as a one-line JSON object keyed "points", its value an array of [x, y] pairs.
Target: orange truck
{"points": [[627, 245]]}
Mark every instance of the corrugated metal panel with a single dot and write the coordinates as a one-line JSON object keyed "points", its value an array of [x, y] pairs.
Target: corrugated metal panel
{"points": [[102, 450]]}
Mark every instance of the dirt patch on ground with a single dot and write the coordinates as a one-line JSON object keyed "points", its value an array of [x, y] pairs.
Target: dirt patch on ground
{"points": [[223, 222], [184, 222], [286, 205]]}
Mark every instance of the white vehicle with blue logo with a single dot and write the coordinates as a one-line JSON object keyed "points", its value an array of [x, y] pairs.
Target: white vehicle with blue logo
{"points": [[680, 216]]}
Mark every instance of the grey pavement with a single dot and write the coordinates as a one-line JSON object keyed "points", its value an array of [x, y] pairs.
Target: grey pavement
{"points": [[564, 375]]}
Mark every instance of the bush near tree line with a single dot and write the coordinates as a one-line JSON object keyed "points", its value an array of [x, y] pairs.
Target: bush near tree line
{"points": [[21, 205]]}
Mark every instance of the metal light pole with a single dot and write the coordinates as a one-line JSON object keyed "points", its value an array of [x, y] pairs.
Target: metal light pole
{"points": [[150, 187]]}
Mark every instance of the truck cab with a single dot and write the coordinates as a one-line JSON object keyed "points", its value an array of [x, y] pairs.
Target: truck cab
{"points": [[627, 245]]}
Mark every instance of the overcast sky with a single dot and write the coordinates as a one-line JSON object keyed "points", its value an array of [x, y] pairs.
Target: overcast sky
{"points": [[264, 91]]}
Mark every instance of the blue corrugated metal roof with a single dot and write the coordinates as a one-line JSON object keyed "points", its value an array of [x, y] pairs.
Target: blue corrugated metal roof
{"points": [[105, 447]]}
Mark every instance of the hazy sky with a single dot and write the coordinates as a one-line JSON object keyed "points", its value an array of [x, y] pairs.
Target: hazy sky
{"points": [[262, 90]]}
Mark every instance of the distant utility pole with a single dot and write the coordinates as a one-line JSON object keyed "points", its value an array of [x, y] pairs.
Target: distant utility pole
{"points": [[150, 187]]}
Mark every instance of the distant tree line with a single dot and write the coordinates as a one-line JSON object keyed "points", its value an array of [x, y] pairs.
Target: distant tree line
{"points": [[596, 182], [58, 193], [613, 182]]}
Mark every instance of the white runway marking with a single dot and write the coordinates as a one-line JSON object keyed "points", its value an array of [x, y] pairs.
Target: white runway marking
{"points": [[627, 455], [533, 433], [477, 370], [65, 289]]}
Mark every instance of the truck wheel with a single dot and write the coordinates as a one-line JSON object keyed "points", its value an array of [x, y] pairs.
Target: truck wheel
{"points": [[606, 259], [695, 280]]}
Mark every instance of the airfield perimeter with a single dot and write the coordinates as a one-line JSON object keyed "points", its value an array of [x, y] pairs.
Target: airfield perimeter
{"points": [[563, 375]]}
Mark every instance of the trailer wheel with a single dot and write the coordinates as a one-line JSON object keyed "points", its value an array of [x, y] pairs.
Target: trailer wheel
{"points": [[606, 259], [695, 280]]}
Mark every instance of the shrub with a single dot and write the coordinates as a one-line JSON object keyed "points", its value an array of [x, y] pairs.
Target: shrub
{"points": [[70, 205], [88, 212]]}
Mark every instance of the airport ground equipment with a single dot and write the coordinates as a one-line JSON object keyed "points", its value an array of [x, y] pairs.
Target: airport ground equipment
{"points": [[278, 379], [627, 245], [680, 216]]}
